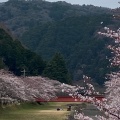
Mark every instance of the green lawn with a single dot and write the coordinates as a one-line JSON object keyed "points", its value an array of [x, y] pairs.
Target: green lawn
{"points": [[35, 112]]}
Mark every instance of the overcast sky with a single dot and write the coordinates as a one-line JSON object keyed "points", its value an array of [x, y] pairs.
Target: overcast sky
{"points": [[103, 3]]}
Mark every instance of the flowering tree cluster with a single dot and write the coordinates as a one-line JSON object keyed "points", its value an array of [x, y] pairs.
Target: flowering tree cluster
{"points": [[115, 61], [84, 94], [15, 89]]}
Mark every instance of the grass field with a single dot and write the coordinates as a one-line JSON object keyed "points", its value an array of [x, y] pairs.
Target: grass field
{"points": [[34, 111]]}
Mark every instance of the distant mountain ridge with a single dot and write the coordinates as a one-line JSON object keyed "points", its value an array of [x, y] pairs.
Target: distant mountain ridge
{"points": [[19, 15]]}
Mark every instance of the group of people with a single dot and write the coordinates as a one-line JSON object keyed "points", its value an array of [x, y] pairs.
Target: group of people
{"points": [[68, 108]]}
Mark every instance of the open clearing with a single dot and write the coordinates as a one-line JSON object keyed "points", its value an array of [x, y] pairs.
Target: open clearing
{"points": [[36, 112]]}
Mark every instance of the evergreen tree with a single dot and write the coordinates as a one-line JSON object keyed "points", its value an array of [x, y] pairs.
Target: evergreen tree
{"points": [[1, 63], [56, 69], [16, 58]]}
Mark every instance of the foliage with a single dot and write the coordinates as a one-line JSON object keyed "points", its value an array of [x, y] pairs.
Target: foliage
{"points": [[46, 27], [76, 38], [16, 89], [1, 63], [56, 69], [16, 57], [19, 15]]}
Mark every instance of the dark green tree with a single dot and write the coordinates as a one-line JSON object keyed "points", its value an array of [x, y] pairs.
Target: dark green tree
{"points": [[56, 69], [1, 63], [16, 58]]}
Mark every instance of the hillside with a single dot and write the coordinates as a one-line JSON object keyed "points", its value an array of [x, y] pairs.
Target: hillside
{"points": [[14, 57], [19, 15], [77, 39], [47, 28]]}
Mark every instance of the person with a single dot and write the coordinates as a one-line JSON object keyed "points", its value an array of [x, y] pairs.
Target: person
{"points": [[58, 109], [69, 108]]}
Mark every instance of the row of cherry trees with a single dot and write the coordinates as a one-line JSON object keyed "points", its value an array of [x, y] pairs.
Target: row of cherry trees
{"points": [[15, 89]]}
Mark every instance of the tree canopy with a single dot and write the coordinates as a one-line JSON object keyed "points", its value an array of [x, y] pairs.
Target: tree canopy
{"points": [[56, 69], [77, 39], [15, 57]]}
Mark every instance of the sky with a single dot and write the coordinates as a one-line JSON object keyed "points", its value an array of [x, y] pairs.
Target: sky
{"points": [[103, 3]]}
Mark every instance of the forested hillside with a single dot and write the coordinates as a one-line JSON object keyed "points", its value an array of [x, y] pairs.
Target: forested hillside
{"points": [[19, 15], [71, 30], [14, 57], [76, 38]]}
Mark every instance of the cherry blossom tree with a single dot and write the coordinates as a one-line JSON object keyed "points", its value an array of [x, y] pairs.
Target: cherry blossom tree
{"points": [[113, 85], [110, 105], [15, 89]]}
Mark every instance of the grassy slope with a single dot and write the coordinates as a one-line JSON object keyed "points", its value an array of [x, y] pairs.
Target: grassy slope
{"points": [[35, 112]]}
